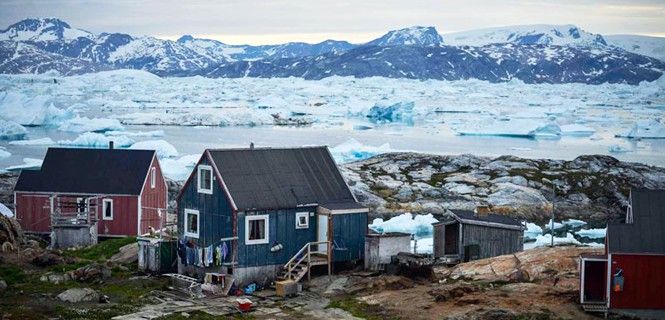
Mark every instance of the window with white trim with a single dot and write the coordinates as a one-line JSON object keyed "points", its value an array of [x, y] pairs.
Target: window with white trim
{"points": [[153, 177], [81, 205], [256, 229], [107, 209], [302, 220], [204, 179], [192, 223]]}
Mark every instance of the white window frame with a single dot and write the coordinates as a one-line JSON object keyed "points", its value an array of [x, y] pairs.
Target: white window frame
{"points": [[198, 180], [198, 223], [300, 215], [105, 203], [153, 177], [264, 217]]}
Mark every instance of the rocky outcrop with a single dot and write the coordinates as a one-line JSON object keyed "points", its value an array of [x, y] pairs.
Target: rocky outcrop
{"points": [[76, 295], [592, 188]]}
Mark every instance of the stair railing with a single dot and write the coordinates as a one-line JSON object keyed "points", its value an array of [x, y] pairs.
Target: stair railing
{"points": [[304, 253]]}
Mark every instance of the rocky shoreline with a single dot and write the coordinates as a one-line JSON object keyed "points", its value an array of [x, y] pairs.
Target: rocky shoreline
{"points": [[593, 188]]}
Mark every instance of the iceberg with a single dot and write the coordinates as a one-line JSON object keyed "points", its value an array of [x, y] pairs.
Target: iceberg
{"points": [[573, 223], [615, 148], [353, 150], [28, 164], [4, 154], [154, 133], [97, 140], [84, 124], [557, 225], [418, 225], [163, 148], [423, 245], [646, 129], [592, 233], [532, 231], [401, 112], [33, 142], [577, 130], [6, 211], [10, 130], [179, 169], [545, 240], [523, 128], [31, 110]]}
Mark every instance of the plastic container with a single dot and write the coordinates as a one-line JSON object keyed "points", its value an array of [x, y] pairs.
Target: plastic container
{"points": [[244, 304]]}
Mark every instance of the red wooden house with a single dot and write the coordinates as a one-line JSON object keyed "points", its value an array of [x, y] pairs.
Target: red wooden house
{"points": [[124, 190], [635, 255]]}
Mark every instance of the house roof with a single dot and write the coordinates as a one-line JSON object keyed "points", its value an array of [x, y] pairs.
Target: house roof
{"points": [[89, 171], [490, 219], [277, 178], [645, 234]]}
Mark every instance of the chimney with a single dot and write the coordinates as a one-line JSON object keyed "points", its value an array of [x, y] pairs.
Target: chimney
{"points": [[482, 211], [251, 146], [111, 145]]}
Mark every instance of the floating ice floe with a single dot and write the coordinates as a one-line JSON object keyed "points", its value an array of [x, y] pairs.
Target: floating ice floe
{"points": [[546, 240], [31, 110], [419, 225], [33, 142], [592, 233], [163, 148], [154, 133], [523, 128], [10, 130], [179, 169], [6, 211], [615, 148], [97, 140], [84, 124], [645, 129], [200, 117], [532, 231], [28, 164], [401, 112], [573, 223], [557, 225], [4, 153], [353, 150], [577, 130]]}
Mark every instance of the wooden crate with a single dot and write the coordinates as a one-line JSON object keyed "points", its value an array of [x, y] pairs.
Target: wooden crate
{"points": [[286, 288]]}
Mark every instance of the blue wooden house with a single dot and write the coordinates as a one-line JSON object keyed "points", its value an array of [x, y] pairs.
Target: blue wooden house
{"points": [[259, 214]]}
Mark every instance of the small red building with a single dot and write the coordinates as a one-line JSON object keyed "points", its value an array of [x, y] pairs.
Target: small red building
{"points": [[630, 276], [124, 189]]}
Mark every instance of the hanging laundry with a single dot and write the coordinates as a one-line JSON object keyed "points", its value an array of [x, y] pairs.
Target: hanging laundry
{"points": [[182, 251], [209, 259], [200, 257], [218, 255]]}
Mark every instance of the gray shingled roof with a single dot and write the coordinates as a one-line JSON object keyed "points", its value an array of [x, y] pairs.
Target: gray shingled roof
{"points": [[647, 232], [88, 171], [267, 178], [491, 218]]}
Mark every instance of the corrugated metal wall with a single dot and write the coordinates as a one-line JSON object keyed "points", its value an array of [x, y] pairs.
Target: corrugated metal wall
{"points": [[349, 232], [492, 241]]}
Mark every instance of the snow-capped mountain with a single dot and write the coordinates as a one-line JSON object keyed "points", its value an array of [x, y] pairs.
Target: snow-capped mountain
{"points": [[533, 54], [644, 45], [413, 36], [558, 35]]}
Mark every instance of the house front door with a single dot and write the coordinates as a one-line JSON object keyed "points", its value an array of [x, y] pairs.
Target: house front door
{"points": [[322, 232]]}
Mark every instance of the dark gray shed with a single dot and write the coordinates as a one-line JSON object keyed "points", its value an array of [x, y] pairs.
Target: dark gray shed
{"points": [[462, 235]]}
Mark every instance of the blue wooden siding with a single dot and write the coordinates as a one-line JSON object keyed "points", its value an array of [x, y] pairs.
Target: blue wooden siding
{"points": [[349, 236], [282, 230], [215, 212]]}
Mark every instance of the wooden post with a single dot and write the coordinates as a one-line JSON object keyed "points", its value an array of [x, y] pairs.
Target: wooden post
{"points": [[309, 262]]}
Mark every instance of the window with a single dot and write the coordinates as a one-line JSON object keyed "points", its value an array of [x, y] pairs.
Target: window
{"points": [[107, 209], [205, 179], [81, 205], [153, 177], [192, 223], [256, 229], [302, 220]]}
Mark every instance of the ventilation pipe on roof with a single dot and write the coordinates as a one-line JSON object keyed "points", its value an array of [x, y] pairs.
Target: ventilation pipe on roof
{"points": [[111, 145]]}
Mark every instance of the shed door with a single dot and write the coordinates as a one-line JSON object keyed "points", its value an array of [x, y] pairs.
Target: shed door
{"points": [[594, 284], [451, 245], [322, 232]]}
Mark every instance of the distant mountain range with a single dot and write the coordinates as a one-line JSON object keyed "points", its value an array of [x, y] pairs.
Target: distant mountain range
{"points": [[533, 54]]}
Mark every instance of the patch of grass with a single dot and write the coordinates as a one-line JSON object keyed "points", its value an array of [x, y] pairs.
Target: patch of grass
{"points": [[94, 313], [102, 250], [12, 274], [200, 315], [68, 267], [130, 292], [360, 309], [437, 179]]}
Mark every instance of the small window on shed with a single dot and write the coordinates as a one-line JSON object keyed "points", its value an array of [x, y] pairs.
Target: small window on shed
{"points": [[81, 205], [302, 220], [192, 223], [256, 229], [153, 177], [205, 179], [107, 209]]}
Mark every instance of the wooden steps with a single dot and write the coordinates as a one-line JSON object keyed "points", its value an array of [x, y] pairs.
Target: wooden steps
{"points": [[303, 261]]}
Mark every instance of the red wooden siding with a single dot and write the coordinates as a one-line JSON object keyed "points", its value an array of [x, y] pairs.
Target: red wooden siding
{"points": [[125, 219], [32, 212], [152, 199], [644, 282]]}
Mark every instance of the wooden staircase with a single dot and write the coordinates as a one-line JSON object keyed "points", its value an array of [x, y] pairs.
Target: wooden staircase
{"points": [[302, 262]]}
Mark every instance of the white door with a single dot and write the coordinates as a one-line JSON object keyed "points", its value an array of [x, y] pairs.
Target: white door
{"points": [[323, 232]]}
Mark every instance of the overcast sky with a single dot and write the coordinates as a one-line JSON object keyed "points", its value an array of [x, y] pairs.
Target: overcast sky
{"points": [[276, 21]]}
